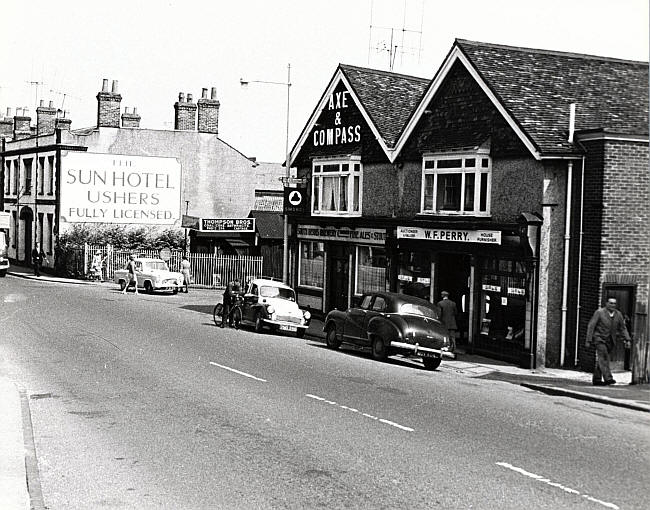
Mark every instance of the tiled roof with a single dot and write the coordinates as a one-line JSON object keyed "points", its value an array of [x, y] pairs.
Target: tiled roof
{"points": [[269, 225], [537, 87], [388, 98]]}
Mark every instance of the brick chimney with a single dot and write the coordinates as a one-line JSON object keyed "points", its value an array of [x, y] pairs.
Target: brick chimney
{"points": [[185, 113], [63, 123], [45, 116], [209, 112], [22, 122], [7, 125], [130, 119], [108, 106]]}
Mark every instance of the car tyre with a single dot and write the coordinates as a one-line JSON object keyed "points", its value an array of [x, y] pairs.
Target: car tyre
{"points": [[379, 348], [217, 314], [259, 323], [300, 333], [3, 273], [148, 288], [122, 284], [431, 363], [331, 340]]}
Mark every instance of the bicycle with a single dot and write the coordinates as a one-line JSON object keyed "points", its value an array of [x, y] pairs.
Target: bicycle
{"points": [[234, 316]]}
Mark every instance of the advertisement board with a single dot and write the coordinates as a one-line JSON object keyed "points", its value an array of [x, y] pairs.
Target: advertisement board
{"points": [[228, 224], [114, 188]]}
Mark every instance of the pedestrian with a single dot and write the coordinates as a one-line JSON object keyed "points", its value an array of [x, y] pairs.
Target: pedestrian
{"points": [[131, 275], [448, 314], [96, 266], [605, 327], [229, 295], [185, 271], [38, 256]]}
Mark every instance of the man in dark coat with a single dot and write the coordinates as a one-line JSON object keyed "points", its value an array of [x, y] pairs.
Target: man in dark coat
{"points": [[38, 256], [448, 314], [232, 291], [605, 326]]}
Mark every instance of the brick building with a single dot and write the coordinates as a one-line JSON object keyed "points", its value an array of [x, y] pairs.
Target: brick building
{"points": [[117, 172], [516, 179]]}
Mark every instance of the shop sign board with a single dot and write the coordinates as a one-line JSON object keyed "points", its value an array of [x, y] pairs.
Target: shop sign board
{"points": [[228, 224], [452, 235], [346, 234], [296, 201], [123, 189]]}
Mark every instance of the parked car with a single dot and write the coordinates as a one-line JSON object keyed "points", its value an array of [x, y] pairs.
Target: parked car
{"points": [[152, 274], [386, 323], [271, 304]]}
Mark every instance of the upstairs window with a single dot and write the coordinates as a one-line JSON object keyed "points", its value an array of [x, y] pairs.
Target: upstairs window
{"points": [[28, 176], [337, 187], [456, 184]]}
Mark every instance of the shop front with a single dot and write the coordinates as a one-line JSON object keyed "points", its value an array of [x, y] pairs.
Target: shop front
{"points": [[488, 273]]}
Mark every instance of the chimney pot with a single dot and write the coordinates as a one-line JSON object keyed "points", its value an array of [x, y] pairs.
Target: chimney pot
{"points": [[42, 103], [51, 104], [9, 112], [105, 85], [181, 97], [66, 114], [114, 87], [135, 110], [189, 97], [214, 93], [126, 110], [204, 93]]}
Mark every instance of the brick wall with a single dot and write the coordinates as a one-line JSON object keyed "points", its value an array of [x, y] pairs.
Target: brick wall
{"points": [[108, 109]]}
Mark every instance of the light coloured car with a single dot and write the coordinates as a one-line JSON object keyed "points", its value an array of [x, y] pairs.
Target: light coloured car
{"points": [[152, 274], [271, 304]]}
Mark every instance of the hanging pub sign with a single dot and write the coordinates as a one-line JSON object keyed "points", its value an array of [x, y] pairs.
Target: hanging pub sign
{"points": [[228, 224], [296, 201], [455, 235]]}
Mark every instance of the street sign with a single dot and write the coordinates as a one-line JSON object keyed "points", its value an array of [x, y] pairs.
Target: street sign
{"points": [[296, 201], [286, 181]]}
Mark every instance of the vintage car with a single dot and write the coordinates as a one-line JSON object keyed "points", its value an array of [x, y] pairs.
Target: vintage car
{"points": [[271, 304], [386, 323], [152, 274]]}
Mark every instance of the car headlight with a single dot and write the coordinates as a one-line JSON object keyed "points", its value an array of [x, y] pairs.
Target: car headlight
{"points": [[270, 309], [306, 315]]}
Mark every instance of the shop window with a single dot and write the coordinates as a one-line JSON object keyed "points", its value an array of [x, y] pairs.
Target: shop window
{"points": [[371, 269], [337, 188], [312, 264], [414, 273], [456, 184]]}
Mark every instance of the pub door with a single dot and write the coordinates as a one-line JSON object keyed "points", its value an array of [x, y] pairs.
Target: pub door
{"points": [[338, 274]]}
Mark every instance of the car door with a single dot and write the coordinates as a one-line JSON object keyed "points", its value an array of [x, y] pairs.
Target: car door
{"points": [[378, 307], [250, 299], [355, 318]]}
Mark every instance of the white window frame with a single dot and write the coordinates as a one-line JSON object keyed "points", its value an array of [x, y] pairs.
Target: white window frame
{"points": [[317, 177], [477, 170]]}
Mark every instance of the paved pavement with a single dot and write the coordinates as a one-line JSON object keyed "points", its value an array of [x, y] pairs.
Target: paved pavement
{"points": [[559, 382]]}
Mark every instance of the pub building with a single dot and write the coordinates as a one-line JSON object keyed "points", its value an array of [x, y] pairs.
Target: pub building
{"points": [[478, 182]]}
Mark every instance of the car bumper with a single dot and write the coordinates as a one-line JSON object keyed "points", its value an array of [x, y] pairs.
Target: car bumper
{"points": [[418, 350]]}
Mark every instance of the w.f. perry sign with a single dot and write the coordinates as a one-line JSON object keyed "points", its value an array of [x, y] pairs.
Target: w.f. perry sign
{"points": [[455, 235], [113, 188]]}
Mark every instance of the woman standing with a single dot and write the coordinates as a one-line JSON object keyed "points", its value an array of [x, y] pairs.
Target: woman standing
{"points": [[185, 271]]}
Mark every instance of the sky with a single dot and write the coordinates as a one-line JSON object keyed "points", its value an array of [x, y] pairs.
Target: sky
{"points": [[60, 51]]}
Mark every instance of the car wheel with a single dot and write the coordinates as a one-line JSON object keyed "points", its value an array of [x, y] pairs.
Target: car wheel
{"points": [[379, 348], [300, 333], [175, 290], [3, 273], [431, 363], [217, 314], [332, 341], [259, 323], [236, 318], [122, 285], [148, 288]]}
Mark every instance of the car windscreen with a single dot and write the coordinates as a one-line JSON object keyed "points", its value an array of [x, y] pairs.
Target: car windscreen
{"points": [[415, 309], [277, 292], [159, 265]]}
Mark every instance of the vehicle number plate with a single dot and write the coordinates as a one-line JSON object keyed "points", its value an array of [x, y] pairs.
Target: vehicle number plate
{"points": [[293, 329], [426, 354]]}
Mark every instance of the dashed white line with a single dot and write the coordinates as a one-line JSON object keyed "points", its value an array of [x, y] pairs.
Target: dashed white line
{"points": [[545, 480], [237, 371], [353, 410]]}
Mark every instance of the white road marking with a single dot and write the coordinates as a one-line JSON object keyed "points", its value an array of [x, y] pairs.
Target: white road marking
{"points": [[542, 479], [352, 409], [237, 371]]}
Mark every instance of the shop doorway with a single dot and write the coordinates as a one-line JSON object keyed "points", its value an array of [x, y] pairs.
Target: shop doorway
{"points": [[338, 274], [625, 298], [453, 272]]}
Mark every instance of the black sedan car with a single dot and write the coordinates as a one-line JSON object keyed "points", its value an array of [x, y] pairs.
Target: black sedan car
{"points": [[386, 323]]}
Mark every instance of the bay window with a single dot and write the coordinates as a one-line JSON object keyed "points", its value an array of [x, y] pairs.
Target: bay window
{"points": [[337, 187], [456, 184]]}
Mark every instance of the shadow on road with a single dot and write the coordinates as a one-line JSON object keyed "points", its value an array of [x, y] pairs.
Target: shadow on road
{"points": [[199, 308]]}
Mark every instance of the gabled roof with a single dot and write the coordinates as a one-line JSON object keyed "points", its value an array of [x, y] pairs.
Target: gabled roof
{"points": [[537, 87], [386, 101]]}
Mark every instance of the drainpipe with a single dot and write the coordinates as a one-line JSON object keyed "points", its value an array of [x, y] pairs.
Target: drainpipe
{"points": [[582, 196], [567, 236]]}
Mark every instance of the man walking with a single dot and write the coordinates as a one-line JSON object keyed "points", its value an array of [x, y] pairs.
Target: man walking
{"points": [[604, 328], [38, 256], [448, 317]]}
